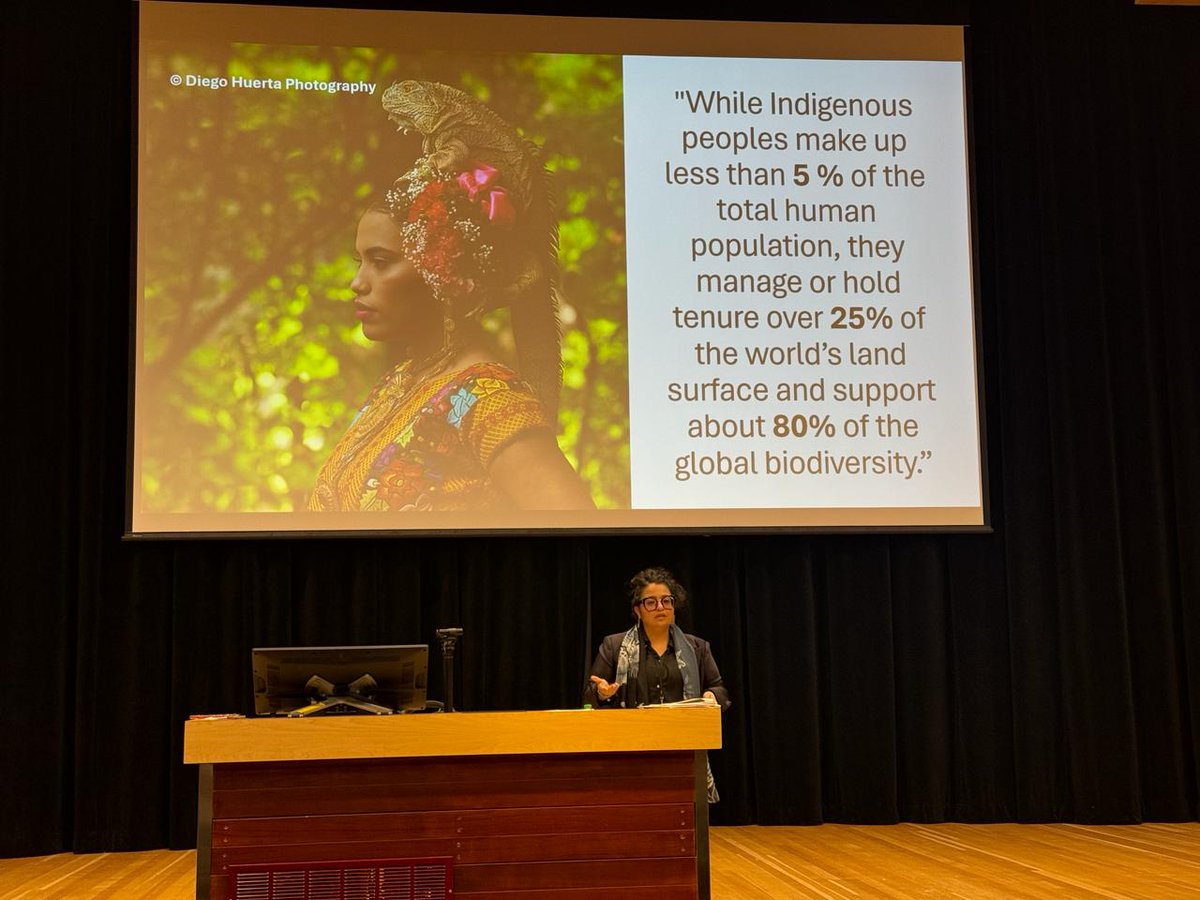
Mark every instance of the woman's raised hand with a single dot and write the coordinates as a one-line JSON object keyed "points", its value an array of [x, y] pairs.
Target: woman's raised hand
{"points": [[604, 688]]}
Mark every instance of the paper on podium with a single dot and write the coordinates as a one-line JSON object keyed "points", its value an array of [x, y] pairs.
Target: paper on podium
{"points": [[695, 701]]}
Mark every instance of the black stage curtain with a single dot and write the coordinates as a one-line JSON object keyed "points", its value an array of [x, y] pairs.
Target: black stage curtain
{"points": [[1044, 672]]}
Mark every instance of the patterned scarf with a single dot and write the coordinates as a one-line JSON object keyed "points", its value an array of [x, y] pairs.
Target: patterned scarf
{"points": [[629, 657]]}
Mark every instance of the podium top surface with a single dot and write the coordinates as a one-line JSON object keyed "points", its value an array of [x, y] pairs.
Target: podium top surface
{"points": [[451, 734]]}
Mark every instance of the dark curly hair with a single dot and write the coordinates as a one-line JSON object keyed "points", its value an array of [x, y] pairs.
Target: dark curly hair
{"points": [[655, 576]]}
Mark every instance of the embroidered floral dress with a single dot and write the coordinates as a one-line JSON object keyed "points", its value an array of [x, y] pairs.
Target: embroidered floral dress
{"points": [[428, 447]]}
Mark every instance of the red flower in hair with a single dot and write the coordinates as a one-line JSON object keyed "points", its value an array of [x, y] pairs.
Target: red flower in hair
{"points": [[445, 220]]}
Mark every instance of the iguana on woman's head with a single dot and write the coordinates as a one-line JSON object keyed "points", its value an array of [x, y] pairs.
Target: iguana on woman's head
{"points": [[458, 130]]}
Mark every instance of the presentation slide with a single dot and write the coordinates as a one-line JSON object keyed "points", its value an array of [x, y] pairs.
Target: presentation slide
{"points": [[460, 273]]}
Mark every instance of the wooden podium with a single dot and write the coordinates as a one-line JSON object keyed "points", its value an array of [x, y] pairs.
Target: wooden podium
{"points": [[574, 803]]}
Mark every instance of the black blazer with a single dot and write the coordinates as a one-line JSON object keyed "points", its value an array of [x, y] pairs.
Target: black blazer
{"points": [[605, 666]]}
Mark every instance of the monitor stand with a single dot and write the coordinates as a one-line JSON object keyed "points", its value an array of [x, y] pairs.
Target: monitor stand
{"points": [[329, 703], [324, 700]]}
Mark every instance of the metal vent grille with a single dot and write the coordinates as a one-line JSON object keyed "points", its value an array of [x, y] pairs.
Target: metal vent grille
{"points": [[358, 879]]}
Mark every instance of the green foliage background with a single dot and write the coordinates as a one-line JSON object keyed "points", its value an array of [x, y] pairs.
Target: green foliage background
{"points": [[252, 362]]}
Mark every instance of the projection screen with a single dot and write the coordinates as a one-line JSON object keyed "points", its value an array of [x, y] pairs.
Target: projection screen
{"points": [[439, 272]]}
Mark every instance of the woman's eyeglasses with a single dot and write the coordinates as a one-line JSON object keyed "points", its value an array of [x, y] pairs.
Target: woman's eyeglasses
{"points": [[653, 603]]}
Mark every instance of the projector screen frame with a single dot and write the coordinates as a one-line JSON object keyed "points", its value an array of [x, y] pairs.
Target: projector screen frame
{"points": [[549, 523]]}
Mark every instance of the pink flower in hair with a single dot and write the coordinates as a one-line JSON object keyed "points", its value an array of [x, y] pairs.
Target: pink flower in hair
{"points": [[494, 201]]}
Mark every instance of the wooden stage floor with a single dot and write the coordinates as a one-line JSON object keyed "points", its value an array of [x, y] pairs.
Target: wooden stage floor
{"points": [[833, 862]]}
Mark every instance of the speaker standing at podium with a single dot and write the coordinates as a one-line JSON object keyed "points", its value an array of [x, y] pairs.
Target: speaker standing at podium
{"points": [[654, 661]]}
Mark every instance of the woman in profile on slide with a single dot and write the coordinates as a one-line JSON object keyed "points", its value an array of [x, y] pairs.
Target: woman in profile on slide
{"points": [[467, 229]]}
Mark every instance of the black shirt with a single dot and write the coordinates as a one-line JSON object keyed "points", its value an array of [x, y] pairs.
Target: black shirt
{"points": [[659, 678]]}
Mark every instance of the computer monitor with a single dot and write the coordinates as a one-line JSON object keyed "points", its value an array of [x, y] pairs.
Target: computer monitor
{"points": [[299, 681]]}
